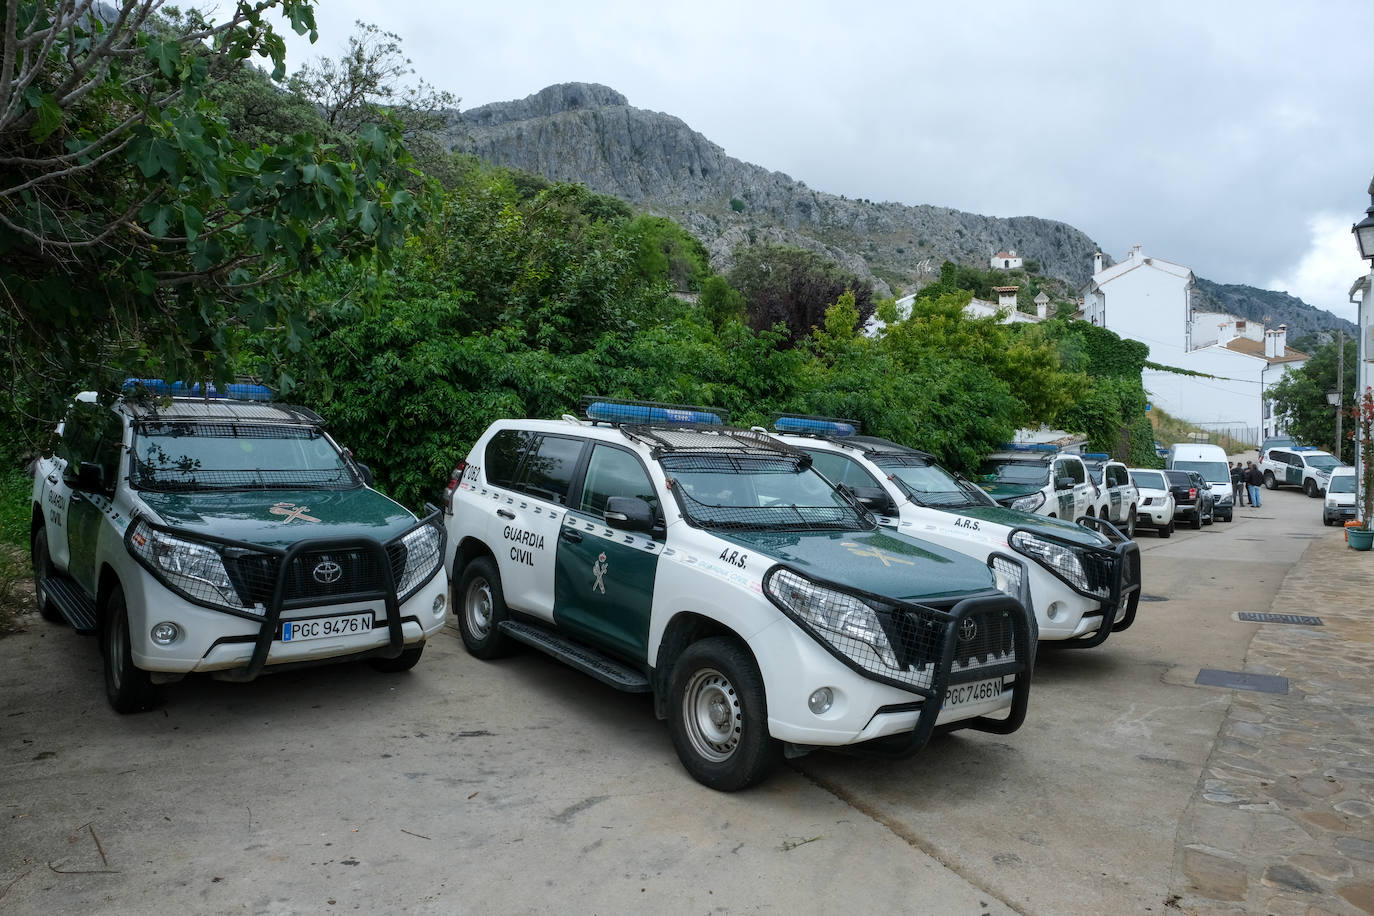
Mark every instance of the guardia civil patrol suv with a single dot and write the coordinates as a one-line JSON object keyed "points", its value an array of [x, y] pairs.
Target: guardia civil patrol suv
{"points": [[1082, 581], [227, 535], [661, 551], [1040, 478]]}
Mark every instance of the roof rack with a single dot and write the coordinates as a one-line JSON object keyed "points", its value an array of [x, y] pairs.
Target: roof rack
{"points": [[156, 399], [650, 413], [687, 439]]}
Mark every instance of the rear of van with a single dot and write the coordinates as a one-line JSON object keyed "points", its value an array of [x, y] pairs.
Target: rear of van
{"points": [[1211, 462]]}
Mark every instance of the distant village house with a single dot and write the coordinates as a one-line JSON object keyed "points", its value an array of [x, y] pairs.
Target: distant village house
{"points": [[1006, 260]]}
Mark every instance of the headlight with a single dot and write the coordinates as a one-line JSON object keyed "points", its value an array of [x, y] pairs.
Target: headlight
{"points": [[1007, 576], [1028, 503], [196, 570], [423, 554], [1062, 561], [861, 636]]}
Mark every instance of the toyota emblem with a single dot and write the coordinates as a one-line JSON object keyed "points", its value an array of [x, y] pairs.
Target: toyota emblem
{"points": [[327, 572], [968, 629]]}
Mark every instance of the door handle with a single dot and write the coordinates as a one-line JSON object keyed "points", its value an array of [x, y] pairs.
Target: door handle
{"points": [[571, 536], [505, 513], [53, 478]]}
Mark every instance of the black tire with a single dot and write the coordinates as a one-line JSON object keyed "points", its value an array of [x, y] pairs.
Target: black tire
{"points": [[42, 568], [1309, 486], [481, 606], [718, 716], [1210, 517], [1196, 523], [403, 662], [1130, 524], [1167, 530], [1270, 483], [128, 689]]}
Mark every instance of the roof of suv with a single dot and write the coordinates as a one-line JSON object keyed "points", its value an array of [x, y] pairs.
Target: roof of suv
{"points": [[220, 409]]}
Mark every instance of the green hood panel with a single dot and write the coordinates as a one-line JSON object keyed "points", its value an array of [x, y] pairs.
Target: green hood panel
{"points": [[280, 518], [1001, 491], [1036, 523], [880, 562]]}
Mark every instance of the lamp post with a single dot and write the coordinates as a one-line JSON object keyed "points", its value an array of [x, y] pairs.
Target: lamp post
{"points": [[1364, 239], [1333, 397]]}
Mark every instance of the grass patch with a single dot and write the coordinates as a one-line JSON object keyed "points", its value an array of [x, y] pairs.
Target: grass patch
{"points": [[16, 595], [1170, 429]]}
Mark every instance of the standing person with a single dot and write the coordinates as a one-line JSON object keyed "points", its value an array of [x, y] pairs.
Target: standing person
{"points": [[1238, 484], [1253, 479]]}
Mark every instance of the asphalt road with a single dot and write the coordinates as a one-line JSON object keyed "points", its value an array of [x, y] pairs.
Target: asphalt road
{"points": [[521, 786]]}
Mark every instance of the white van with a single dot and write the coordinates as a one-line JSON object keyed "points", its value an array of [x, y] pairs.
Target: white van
{"points": [[1209, 461]]}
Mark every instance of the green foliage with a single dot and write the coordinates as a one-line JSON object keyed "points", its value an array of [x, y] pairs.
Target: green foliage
{"points": [[793, 287], [138, 233], [1300, 398], [720, 302], [737, 205], [666, 253]]}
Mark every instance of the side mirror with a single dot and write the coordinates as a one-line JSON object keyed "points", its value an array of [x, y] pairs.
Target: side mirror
{"points": [[364, 472], [629, 513], [1063, 483], [90, 478], [874, 499]]}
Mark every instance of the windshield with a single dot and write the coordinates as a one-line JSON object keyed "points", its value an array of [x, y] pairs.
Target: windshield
{"points": [[1323, 462], [752, 491], [932, 486], [1211, 471], [236, 456], [1029, 473], [1150, 480], [1341, 483]]}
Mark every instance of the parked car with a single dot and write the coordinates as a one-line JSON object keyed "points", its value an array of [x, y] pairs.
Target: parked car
{"points": [[1192, 497], [1299, 466], [661, 551], [1082, 580], [1040, 479], [1209, 461], [225, 535], [1338, 506], [1156, 507], [1119, 497]]}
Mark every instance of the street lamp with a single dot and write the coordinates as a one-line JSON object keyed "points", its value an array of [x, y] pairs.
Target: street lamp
{"points": [[1333, 397]]}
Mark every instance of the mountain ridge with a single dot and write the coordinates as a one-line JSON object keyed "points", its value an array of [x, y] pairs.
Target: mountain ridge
{"points": [[590, 134]]}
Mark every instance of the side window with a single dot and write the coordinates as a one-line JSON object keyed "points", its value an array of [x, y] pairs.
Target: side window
{"points": [[92, 433], [548, 470], [1070, 469], [841, 470], [614, 472], [504, 452]]}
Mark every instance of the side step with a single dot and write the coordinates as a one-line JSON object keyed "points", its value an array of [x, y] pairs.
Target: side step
{"points": [[73, 602], [584, 659]]}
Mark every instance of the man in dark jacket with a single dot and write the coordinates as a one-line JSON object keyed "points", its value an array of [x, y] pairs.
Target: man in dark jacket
{"points": [[1238, 484], [1253, 479]]}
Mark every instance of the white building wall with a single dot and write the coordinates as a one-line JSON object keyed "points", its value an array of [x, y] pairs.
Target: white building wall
{"points": [[1151, 306], [1230, 399]]}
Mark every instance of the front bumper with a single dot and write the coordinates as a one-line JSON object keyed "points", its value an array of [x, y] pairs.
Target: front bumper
{"points": [[1112, 582]]}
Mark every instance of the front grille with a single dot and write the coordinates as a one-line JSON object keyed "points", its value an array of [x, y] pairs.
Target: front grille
{"points": [[981, 639], [314, 576]]}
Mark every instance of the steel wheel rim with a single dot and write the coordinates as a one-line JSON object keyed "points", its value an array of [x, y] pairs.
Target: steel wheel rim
{"points": [[478, 608], [712, 715]]}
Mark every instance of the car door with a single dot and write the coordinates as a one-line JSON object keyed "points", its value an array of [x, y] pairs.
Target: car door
{"points": [[91, 434], [1293, 469], [531, 473], [1118, 485], [604, 580]]}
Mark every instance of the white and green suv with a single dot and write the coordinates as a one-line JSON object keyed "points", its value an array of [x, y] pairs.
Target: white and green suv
{"points": [[661, 551], [1082, 581], [227, 535]]}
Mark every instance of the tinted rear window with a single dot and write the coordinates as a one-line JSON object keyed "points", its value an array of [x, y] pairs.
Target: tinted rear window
{"points": [[1151, 480], [504, 452], [548, 470]]}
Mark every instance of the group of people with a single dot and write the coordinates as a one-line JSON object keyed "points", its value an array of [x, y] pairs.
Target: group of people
{"points": [[1245, 483]]}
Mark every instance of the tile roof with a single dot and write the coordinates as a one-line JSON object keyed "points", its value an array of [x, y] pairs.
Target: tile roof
{"points": [[1256, 348]]}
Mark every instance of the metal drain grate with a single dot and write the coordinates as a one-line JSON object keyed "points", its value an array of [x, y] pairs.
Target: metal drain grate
{"points": [[1251, 617], [1239, 680]]}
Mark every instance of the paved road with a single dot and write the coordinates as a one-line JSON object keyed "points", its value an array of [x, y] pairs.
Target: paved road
{"points": [[521, 786]]}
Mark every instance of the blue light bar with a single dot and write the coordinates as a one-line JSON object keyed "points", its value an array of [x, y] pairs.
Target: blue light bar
{"points": [[612, 412], [1030, 447], [1096, 456], [1303, 448], [786, 424], [238, 391]]}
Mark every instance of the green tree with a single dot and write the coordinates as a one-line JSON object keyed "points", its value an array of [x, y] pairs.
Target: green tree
{"points": [[137, 233], [1300, 398], [665, 252]]}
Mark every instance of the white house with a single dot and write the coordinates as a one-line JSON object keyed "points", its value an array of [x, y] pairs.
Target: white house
{"points": [[1004, 310], [1228, 364], [1005, 260]]}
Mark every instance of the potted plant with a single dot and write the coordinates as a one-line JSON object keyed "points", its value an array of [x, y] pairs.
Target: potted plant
{"points": [[1362, 537]]}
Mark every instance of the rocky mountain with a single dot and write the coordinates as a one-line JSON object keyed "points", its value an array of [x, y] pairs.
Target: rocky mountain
{"points": [[1270, 308], [588, 133]]}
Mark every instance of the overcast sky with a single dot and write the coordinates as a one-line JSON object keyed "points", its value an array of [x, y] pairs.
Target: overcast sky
{"points": [[1236, 138]]}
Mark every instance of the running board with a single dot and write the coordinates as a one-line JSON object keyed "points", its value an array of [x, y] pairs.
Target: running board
{"points": [[584, 659], [76, 606]]}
